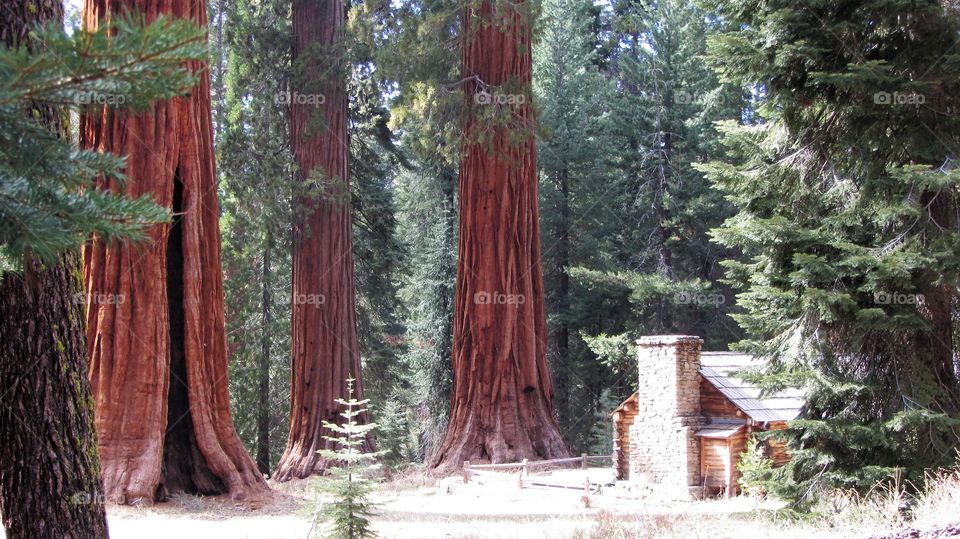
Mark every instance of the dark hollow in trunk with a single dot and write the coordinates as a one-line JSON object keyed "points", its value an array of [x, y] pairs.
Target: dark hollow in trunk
{"points": [[158, 355], [184, 469]]}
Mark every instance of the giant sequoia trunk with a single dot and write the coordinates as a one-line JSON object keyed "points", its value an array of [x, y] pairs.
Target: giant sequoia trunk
{"points": [[158, 358], [324, 321], [501, 406], [50, 482]]}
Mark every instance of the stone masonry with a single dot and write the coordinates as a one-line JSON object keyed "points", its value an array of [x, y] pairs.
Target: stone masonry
{"points": [[663, 446]]}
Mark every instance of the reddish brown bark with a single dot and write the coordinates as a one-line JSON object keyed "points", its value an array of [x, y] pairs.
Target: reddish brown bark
{"points": [[324, 320], [158, 358], [502, 400]]}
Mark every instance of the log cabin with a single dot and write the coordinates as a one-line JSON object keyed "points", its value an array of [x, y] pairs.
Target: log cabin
{"points": [[692, 418]]}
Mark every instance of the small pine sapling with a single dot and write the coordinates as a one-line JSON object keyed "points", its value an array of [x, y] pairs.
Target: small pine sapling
{"points": [[349, 483]]}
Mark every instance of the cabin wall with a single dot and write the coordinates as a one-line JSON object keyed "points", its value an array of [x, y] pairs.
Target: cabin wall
{"points": [[737, 444], [714, 459], [623, 419], [714, 404], [778, 450]]}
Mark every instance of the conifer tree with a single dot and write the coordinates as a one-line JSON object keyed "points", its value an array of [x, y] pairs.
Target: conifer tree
{"points": [[578, 212], [50, 480], [348, 514], [257, 193], [846, 189]]}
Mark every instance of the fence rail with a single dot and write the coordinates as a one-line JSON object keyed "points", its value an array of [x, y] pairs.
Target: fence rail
{"points": [[524, 467]]}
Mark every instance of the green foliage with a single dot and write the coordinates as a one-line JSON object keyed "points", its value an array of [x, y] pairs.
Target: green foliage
{"points": [[48, 200], [256, 194], [415, 47], [847, 200], [428, 226], [756, 469], [349, 484], [601, 435]]}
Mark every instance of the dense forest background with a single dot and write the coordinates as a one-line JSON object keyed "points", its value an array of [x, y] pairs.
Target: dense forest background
{"points": [[626, 104], [777, 178], [645, 113]]}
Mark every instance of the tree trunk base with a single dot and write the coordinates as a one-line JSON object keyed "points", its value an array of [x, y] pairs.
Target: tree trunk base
{"points": [[527, 431]]}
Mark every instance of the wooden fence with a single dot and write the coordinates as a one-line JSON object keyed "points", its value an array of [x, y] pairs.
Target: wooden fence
{"points": [[524, 467]]}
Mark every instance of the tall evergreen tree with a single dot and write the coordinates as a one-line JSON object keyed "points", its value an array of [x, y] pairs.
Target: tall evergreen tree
{"points": [[325, 345], [158, 359], [50, 481], [257, 196], [574, 157], [846, 188], [502, 396], [415, 45]]}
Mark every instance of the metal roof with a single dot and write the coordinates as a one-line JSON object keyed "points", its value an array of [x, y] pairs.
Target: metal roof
{"points": [[721, 428], [718, 368]]}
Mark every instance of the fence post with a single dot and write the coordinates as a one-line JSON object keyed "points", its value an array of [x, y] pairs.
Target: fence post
{"points": [[466, 471], [583, 461], [523, 473]]}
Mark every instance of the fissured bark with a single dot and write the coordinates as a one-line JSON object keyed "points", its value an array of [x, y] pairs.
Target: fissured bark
{"points": [[158, 357], [501, 406], [50, 484], [324, 320]]}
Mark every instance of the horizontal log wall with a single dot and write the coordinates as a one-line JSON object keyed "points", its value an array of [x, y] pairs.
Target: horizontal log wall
{"points": [[622, 421], [714, 404]]}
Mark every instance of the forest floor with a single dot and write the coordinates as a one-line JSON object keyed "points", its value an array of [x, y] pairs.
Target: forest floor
{"points": [[418, 506]]}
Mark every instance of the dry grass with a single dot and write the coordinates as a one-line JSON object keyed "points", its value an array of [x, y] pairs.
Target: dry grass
{"points": [[886, 511], [413, 506]]}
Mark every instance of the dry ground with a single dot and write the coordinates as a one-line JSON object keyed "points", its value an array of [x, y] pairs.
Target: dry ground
{"points": [[417, 506]]}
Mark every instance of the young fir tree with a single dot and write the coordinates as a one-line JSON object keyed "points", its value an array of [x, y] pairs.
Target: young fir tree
{"points": [[348, 514], [847, 191]]}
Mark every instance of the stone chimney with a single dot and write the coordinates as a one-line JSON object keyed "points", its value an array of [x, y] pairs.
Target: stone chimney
{"points": [[664, 448]]}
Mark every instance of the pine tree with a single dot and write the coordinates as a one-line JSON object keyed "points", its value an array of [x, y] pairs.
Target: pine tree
{"points": [[348, 483], [415, 46], [575, 153], [50, 480], [847, 190]]}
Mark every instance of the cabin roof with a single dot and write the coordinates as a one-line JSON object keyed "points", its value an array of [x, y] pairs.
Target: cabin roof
{"points": [[623, 405], [721, 428], [718, 368]]}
